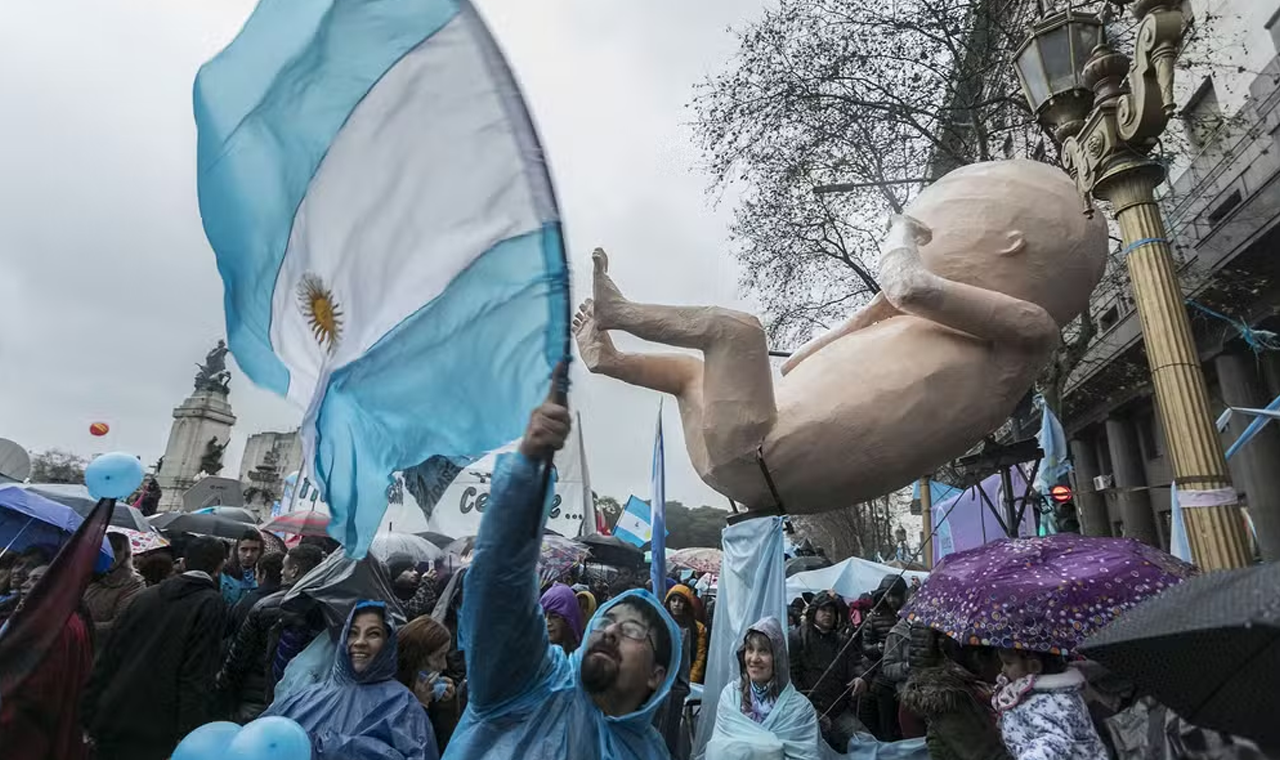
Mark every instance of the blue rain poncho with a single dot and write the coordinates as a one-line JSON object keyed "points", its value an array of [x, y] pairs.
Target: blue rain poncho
{"points": [[789, 731], [526, 697], [361, 716]]}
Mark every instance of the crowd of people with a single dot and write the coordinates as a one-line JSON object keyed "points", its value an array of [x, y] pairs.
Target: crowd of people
{"points": [[572, 669]]}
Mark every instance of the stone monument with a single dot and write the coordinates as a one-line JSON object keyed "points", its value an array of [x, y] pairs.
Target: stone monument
{"points": [[201, 430]]}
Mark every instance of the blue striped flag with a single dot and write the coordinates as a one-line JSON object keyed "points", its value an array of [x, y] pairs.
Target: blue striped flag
{"points": [[635, 524], [658, 504], [387, 235]]}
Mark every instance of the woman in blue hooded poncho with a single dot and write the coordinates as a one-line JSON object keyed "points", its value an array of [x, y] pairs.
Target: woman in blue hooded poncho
{"points": [[760, 714], [361, 712]]}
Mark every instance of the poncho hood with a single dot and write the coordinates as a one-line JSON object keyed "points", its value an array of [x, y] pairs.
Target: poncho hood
{"points": [[383, 667], [561, 600], [771, 628], [369, 716], [642, 717]]}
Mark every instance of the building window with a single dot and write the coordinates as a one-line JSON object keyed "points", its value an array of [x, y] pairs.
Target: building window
{"points": [[1109, 318], [1202, 116], [1222, 209]]}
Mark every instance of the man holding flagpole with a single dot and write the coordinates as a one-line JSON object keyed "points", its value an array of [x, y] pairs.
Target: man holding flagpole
{"points": [[528, 699]]}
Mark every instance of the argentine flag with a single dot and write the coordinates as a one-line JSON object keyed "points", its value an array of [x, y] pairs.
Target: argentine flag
{"points": [[635, 524], [387, 235]]}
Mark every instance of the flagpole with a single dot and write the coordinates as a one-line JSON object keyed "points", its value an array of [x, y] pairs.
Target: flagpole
{"points": [[559, 397], [926, 515], [658, 510]]}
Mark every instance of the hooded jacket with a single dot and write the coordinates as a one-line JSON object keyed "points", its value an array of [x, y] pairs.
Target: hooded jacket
{"points": [[164, 650], [699, 639], [560, 600], [1044, 717], [589, 608], [956, 706], [813, 652], [791, 726], [361, 716], [526, 698], [881, 619]]}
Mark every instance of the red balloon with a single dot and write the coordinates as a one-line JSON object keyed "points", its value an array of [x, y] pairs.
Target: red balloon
{"points": [[99, 429]]}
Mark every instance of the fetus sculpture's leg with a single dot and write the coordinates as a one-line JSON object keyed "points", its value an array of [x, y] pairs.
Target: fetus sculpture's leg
{"points": [[677, 374], [987, 314], [737, 402]]}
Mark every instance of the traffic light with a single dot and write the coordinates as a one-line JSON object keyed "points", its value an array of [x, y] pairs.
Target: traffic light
{"points": [[1058, 514], [1064, 508]]}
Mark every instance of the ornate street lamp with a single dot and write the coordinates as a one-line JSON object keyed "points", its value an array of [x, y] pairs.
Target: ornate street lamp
{"points": [[1050, 66], [1108, 114]]}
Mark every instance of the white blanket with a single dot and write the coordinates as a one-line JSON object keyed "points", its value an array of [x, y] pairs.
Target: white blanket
{"points": [[789, 733]]}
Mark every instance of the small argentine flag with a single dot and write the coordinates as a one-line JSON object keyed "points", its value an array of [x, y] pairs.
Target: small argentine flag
{"points": [[386, 231], [635, 523]]}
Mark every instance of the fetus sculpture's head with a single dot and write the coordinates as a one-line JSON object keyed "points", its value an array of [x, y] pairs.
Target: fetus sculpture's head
{"points": [[1016, 227]]}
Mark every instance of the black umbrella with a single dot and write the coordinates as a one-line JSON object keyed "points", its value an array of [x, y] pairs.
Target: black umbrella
{"points": [[611, 550], [77, 497], [1208, 648], [803, 564], [199, 523], [239, 514]]}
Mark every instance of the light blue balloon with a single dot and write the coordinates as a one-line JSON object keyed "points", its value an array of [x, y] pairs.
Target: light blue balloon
{"points": [[113, 476], [273, 738], [208, 742]]}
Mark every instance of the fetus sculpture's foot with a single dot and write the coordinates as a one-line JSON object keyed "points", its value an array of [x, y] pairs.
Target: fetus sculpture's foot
{"points": [[608, 300], [594, 344]]}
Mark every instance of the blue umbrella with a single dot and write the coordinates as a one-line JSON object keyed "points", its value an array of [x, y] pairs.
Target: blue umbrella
{"points": [[28, 519]]}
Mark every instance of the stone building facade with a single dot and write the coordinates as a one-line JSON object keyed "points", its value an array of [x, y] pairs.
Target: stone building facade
{"points": [[268, 459]]}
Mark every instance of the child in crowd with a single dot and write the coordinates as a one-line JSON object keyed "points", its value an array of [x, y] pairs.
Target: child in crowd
{"points": [[1040, 705]]}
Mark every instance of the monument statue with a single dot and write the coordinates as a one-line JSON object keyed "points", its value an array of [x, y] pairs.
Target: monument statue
{"points": [[211, 460], [213, 375], [978, 276]]}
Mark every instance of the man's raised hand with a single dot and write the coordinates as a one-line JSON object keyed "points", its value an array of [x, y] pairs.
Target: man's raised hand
{"points": [[550, 423]]}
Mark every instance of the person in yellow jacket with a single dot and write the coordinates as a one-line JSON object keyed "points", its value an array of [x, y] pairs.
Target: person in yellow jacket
{"points": [[679, 603]]}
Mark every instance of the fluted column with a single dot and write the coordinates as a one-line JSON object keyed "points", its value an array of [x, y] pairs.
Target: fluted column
{"points": [[1215, 529]]}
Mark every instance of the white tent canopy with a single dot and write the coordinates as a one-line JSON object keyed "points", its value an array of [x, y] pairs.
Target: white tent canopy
{"points": [[850, 578]]}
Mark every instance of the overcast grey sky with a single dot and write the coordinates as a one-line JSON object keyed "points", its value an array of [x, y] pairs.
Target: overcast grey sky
{"points": [[109, 288]]}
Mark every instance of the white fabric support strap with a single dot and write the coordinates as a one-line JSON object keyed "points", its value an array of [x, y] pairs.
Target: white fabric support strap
{"points": [[1215, 498]]}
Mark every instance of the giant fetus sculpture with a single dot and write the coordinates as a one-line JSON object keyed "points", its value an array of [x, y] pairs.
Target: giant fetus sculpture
{"points": [[977, 277]]}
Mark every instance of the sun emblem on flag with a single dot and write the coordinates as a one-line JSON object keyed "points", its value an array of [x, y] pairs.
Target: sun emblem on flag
{"points": [[321, 310]]}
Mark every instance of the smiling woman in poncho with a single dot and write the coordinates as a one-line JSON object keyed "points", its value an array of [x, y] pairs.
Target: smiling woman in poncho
{"points": [[361, 712], [760, 715]]}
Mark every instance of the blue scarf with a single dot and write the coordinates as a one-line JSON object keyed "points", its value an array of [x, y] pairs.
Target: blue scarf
{"points": [[762, 701]]}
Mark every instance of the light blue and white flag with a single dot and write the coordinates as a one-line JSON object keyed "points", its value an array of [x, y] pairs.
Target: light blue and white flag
{"points": [[387, 235], [658, 502], [635, 524], [1056, 462]]}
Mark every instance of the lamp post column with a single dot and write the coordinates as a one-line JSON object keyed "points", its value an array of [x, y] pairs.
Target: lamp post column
{"points": [[1211, 514]]}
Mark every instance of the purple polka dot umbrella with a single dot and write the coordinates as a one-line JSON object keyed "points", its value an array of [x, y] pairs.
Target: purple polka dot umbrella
{"points": [[1041, 594]]}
